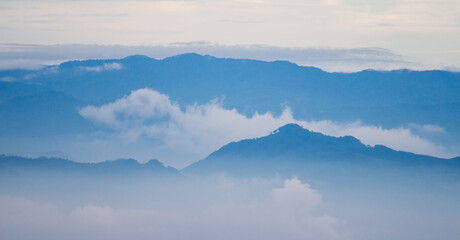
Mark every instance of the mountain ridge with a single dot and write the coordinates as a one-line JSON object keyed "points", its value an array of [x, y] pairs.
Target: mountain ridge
{"points": [[292, 144], [109, 167], [292, 134], [392, 99]]}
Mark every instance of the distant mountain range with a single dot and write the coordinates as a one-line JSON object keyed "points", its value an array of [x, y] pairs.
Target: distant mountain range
{"points": [[51, 178], [39, 108], [387, 98], [290, 148], [42, 115], [340, 165], [293, 150], [15, 165]]}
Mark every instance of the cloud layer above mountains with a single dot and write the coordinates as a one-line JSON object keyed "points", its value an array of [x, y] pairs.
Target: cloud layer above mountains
{"points": [[197, 130]]}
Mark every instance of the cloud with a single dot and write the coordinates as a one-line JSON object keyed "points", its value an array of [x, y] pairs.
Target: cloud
{"points": [[196, 130], [428, 128], [137, 108], [426, 29], [300, 197], [104, 67], [397, 138], [286, 212]]}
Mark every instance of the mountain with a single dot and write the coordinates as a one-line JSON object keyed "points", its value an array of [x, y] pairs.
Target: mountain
{"points": [[130, 168], [293, 150], [73, 183], [251, 86], [13, 89], [39, 108], [42, 114]]}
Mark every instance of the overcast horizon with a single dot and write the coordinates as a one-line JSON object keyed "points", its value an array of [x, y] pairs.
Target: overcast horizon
{"points": [[36, 56], [413, 34]]}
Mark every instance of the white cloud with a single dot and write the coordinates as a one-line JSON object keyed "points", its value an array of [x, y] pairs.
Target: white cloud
{"points": [[140, 106], [300, 197], [397, 138], [428, 128], [104, 67], [196, 131], [286, 213]]}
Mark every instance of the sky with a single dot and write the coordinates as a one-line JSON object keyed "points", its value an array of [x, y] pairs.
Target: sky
{"points": [[422, 32]]}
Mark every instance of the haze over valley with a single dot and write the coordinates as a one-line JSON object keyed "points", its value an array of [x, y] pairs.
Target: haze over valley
{"points": [[230, 120]]}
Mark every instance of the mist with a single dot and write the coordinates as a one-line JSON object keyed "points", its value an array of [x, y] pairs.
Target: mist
{"points": [[222, 207]]}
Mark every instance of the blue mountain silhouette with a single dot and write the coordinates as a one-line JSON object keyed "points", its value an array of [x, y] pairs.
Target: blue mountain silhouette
{"points": [[44, 102], [294, 150], [116, 168]]}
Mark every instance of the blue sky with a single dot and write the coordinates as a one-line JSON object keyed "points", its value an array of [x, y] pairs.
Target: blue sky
{"points": [[423, 31]]}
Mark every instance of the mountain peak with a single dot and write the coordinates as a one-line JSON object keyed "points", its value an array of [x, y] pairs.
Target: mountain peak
{"points": [[290, 141], [189, 57], [154, 163], [137, 57], [295, 131], [290, 128], [292, 146]]}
